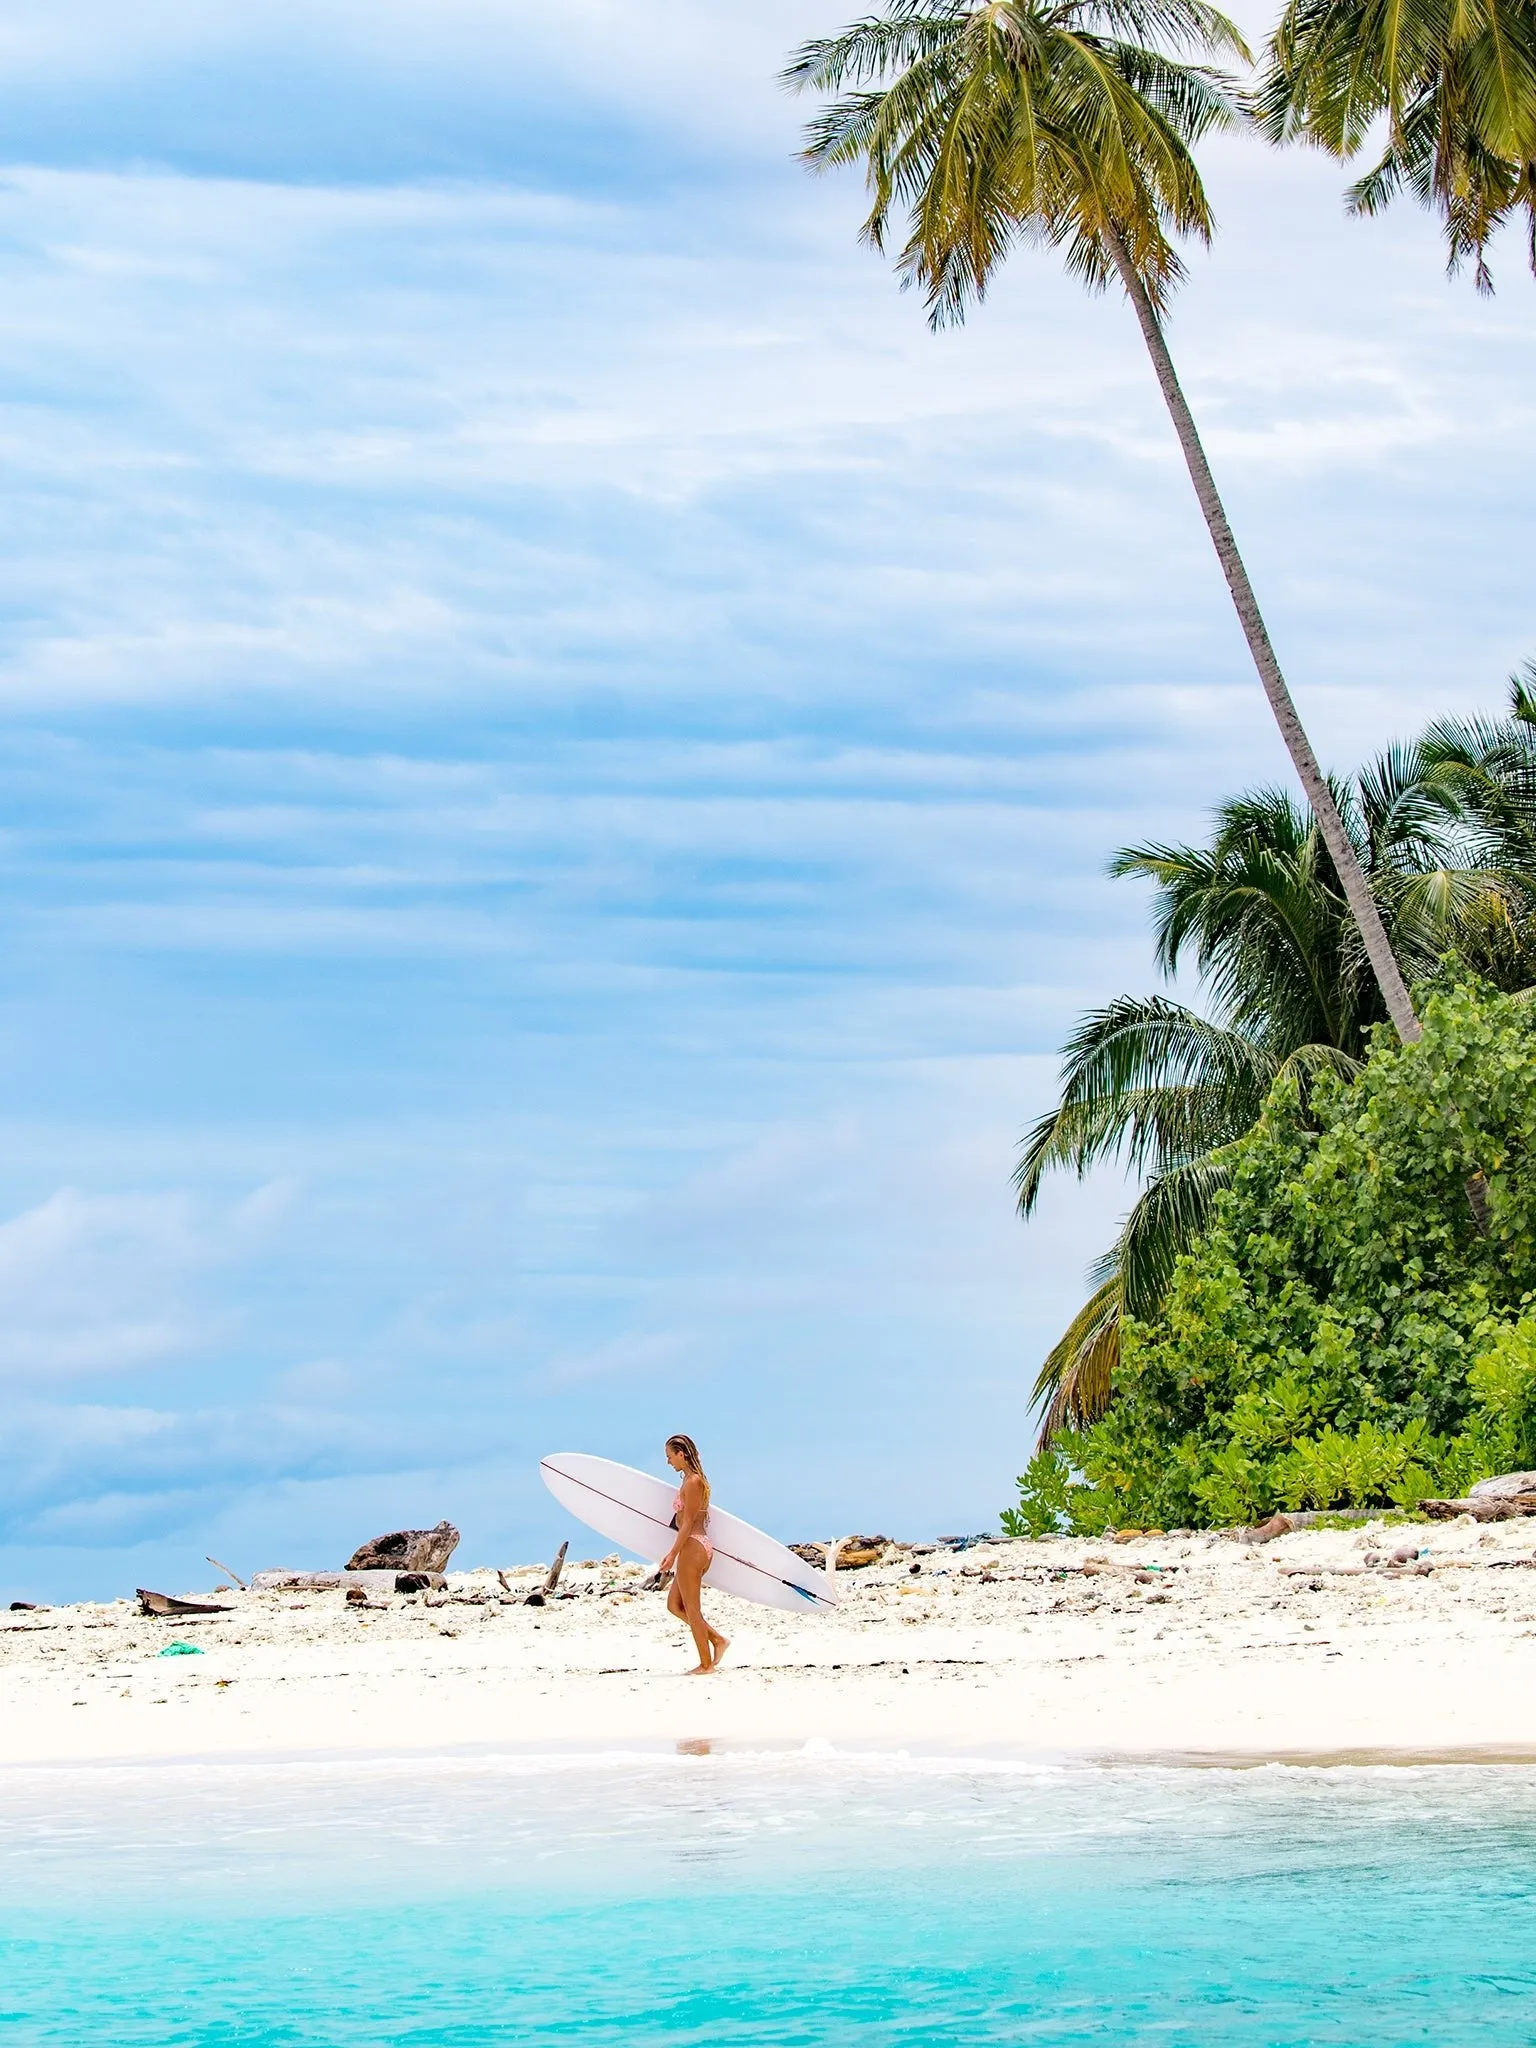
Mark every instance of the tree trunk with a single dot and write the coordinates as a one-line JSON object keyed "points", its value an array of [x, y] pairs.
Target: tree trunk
{"points": [[1377, 945]]}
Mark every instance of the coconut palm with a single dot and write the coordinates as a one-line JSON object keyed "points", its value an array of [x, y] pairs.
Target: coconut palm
{"points": [[1070, 122], [1454, 85], [1167, 1091]]}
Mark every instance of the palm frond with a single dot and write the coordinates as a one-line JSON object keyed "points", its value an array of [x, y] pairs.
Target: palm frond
{"points": [[984, 121], [1170, 1214], [1147, 1081], [1077, 1378], [908, 31], [1456, 85]]}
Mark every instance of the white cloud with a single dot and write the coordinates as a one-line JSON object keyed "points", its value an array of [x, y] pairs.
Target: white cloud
{"points": [[481, 471], [94, 1284]]}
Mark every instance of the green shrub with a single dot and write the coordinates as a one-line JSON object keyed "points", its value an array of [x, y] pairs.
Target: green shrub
{"points": [[1346, 1333], [1042, 1497]]}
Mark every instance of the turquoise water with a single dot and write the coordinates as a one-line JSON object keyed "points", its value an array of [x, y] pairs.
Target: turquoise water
{"points": [[796, 1899]]}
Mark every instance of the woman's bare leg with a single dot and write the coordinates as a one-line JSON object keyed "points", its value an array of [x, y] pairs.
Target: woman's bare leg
{"points": [[691, 1567], [718, 1643]]}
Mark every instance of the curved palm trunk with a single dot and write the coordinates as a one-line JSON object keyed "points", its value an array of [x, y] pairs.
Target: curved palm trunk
{"points": [[1377, 945]]}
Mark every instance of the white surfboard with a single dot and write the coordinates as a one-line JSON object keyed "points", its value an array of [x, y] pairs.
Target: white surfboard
{"points": [[632, 1508]]}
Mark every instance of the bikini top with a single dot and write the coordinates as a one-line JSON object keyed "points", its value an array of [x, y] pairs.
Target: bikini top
{"points": [[677, 1513]]}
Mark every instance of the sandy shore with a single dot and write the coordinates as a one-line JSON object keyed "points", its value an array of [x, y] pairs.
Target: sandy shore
{"points": [[1202, 1646]]}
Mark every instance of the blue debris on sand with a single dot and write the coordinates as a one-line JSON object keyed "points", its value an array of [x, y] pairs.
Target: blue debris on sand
{"points": [[181, 1650]]}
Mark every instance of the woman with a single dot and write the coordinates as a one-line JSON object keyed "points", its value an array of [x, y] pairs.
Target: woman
{"points": [[688, 1559]]}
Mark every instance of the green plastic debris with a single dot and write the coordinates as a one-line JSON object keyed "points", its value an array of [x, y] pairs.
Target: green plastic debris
{"points": [[181, 1650]]}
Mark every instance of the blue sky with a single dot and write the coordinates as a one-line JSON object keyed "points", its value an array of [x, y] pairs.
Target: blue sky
{"points": [[559, 751]]}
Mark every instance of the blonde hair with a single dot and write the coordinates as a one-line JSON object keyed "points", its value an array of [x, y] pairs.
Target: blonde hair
{"points": [[688, 1451]]}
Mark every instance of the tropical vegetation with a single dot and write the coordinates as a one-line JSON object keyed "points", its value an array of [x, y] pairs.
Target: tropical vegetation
{"points": [[1346, 1330], [1445, 829]]}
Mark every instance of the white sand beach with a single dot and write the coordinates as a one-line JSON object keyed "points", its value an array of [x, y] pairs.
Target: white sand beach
{"points": [[1204, 1646]]}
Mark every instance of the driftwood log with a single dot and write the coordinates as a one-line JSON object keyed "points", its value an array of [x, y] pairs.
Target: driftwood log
{"points": [[1487, 1507], [1499, 1499], [163, 1604], [327, 1582], [547, 1590], [1505, 1484], [1304, 1518], [407, 1550]]}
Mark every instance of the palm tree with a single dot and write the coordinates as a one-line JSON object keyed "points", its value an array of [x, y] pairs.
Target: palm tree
{"points": [[1456, 85], [1168, 1091], [1068, 122]]}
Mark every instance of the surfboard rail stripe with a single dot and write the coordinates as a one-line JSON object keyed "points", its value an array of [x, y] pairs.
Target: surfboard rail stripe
{"points": [[573, 1479]]}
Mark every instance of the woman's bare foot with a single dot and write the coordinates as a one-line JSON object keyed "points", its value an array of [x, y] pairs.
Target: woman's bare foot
{"points": [[699, 1671], [719, 1645]]}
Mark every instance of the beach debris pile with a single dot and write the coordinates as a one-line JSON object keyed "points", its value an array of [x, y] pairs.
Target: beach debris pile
{"points": [[404, 1561], [853, 1552]]}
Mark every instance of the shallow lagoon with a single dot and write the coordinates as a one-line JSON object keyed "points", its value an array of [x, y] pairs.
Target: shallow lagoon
{"points": [[786, 1899]]}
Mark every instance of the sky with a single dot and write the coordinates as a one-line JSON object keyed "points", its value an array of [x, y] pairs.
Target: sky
{"points": [[558, 751]]}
